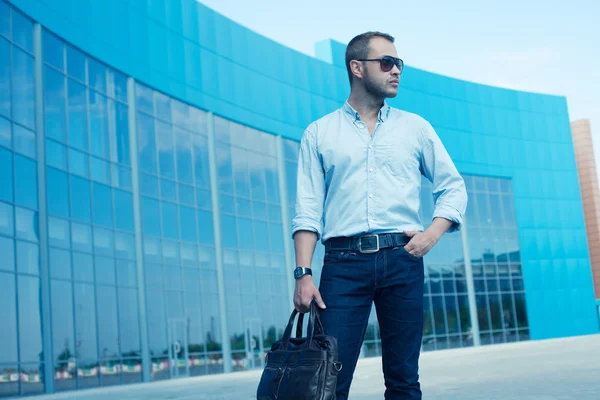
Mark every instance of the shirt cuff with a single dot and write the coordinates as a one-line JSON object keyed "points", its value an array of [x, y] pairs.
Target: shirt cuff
{"points": [[306, 224], [451, 214]]}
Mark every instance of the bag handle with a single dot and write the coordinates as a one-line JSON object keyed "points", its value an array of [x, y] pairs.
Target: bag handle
{"points": [[314, 322]]}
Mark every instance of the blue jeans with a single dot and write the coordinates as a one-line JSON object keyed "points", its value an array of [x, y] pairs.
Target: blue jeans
{"points": [[393, 279]]}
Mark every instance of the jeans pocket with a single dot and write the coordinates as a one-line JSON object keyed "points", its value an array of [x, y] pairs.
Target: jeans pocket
{"points": [[411, 256], [334, 256]]}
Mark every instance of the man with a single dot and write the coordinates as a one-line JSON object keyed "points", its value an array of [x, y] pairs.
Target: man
{"points": [[358, 186]]}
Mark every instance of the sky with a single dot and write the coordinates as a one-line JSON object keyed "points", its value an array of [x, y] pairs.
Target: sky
{"points": [[550, 47]]}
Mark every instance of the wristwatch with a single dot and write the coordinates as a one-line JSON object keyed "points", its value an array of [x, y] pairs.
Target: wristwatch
{"points": [[299, 272]]}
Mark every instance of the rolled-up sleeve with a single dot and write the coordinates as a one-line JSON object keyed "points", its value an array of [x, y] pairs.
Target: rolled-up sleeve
{"points": [[310, 186], [449, 190]]}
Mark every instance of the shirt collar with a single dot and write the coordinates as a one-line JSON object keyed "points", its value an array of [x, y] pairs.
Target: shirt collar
{"points": [[384, 112]]}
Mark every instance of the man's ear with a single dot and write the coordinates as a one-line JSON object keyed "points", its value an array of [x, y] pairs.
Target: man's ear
{"points": [[357, 68]]}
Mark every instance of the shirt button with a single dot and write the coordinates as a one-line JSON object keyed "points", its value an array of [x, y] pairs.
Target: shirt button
{"points": [[370, 146], [370, 169], [371, 196]]}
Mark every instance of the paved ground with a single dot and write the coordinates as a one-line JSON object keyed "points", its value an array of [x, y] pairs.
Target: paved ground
{"points": [[563, 369]]}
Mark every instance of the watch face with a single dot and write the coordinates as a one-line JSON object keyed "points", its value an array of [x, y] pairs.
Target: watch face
{"points": [[298, 273]]}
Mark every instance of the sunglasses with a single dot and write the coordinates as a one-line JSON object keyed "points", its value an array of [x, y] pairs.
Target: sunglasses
{"points": [[387, 63]]}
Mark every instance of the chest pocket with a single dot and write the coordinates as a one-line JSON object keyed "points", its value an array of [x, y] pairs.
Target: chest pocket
{"points": [[402, 163]]}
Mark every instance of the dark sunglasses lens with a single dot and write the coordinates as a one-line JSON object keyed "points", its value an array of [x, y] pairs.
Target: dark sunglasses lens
{"points": [[387, 63]]}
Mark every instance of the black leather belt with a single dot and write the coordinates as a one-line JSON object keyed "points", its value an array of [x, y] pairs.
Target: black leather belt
{"points": [[367, 243]]}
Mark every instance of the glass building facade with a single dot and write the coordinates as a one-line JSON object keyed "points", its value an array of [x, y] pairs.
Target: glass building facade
{"points": [[145, 231]]}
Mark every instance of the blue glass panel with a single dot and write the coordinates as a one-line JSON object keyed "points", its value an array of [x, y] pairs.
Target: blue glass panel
{"points": [[108, 330], [261, 231], [7, 249], [30, 329], [59, 232], [201, 169], [57, 186], [188, 224], [124, 210], [98, 125], [120, 85], [150, 216], [149, 185], [28, 258], [5, 133], [6, 175], [152, 250], [83, 267], [146, 143], [128, 322], [55, 104], [245, 234], [53, 50], [186, 195], [105, 270], [80, 199], [228, 231], [60, 264], [126, 273], [124, 245], [259, 210], [75, 63], [96, 75], [205, 225], [121, 177], [24, 141], [85, 325], [78, 130], [183, 143], [204, 199], [227, 204], [27, 224], [144, 101], [26, 193], [63, 331], [104, 242], [8, 316], [79, 163], [168, 190], [5, 103], [56, 154], [169, 219], [170, 252], [162, 106], [102, 205], [189, 255], [166, 150], [243, 208], [82, 237], [4, 24], [22, 32], [122, 139], [7, 219], [23, 88], [180, 114], [100, 171], [224, 167]]}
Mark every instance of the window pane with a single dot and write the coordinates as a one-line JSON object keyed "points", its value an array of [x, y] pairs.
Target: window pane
{"points": [[6, 175], [22, 30], [97, 75], [120, 85], [27, 224], [102, 205], [56, 154], [8, 316], [205, 222], [98, 125], [121, 177], [146, 143], [108, 335], [157, 330], [100, 171], [75, 63], [5, 104], [150, 216], [165, 145], [186, 195], [149, 185], [53, 50], [78, 131], [162, 105], [122, 134], [54, 104], [28, 258], [57, 186], [124, 245], [85, 328], [6, 219], [63, 331], [24, 141], [144, 101], [188, 224], [30, 329], [128, 321], [79, 163], [224, 168], [126, 273], [26, 175], [80, 199], [104, 242], [83, 267], [124, 210], [183, 142], [169, 216], [4, 19], [168, 190], [7, 249], [60, 264], [105, 271], [23, 88], [59, 233], [201, 161]]}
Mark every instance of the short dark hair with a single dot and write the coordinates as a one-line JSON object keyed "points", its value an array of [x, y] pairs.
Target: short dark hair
{"points": [[358, 48]]}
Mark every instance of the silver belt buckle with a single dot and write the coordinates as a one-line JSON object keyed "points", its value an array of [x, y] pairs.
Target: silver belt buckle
{"points": [[368, 251]]}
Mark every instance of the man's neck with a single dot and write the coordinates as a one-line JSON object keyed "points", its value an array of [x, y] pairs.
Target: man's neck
{"points": [[366, 106]]}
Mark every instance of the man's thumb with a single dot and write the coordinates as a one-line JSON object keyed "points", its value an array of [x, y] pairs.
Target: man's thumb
{"points": [[410, 233], [319, 300]]}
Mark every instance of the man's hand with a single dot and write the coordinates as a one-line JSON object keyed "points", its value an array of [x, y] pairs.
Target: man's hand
{"points": [[420, 243], [304, 294]]}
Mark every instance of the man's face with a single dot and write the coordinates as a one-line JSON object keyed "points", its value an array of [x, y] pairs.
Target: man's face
{"points": [[379, 83]]}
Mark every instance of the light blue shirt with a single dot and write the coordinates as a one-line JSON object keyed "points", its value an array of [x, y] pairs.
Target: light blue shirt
{"points": [[350, 183]]}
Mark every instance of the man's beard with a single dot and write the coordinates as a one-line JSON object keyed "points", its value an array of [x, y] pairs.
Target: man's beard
{"points": [[377, 90]]}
